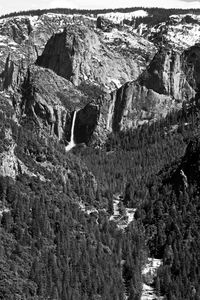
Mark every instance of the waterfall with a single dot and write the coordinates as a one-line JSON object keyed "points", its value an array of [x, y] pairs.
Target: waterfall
{"points": [[72, 142]]}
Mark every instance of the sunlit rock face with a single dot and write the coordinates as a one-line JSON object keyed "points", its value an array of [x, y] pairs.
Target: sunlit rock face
{"points": [[45, 99], [134, 104], [165, 75], [107, 59], [171, 78]]}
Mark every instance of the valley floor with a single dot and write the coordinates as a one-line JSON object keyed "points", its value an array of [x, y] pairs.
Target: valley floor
{"points": [[149, 270]]}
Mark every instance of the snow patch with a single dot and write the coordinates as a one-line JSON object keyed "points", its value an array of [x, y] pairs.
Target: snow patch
{"points": [[127, 40], [179, 18], [118, 17], [33, 20], [179, 33]]}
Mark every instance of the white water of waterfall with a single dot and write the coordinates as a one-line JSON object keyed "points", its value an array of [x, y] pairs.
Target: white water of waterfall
{"points": [[72, 142]]}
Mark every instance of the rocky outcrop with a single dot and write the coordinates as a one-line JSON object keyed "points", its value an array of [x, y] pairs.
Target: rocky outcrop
{"points": [[38, 94], [9, 163], [60, 58], [80, 54], [33, 32], [178, 31], [104, 24], [12, 166], [48, 99], [133, 104], [165, 75], [13, 74], [17, 28], [170, 79]]}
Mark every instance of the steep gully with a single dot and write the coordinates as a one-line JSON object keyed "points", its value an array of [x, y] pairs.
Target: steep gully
{"points": [[122, 221]]}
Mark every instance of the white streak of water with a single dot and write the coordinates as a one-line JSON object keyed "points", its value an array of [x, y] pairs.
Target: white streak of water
{"points": [[72, 141]]}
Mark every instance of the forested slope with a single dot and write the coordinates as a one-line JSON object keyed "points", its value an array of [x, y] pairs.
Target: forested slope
{"points": [[161, 176], [51, 246]]}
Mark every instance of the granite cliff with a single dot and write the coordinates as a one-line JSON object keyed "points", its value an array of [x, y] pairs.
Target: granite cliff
{"points": [[170, 78], [54, 64], [83, 59]]}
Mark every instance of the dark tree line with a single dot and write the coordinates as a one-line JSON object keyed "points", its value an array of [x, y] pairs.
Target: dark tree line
{"points": [[155, 13]]}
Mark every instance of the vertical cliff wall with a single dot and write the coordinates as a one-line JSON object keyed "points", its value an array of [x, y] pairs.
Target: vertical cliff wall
{"points": [[171, 78]]}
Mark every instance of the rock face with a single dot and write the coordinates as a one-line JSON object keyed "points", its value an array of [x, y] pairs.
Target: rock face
{"points": [[23, 39], [77, 52], [104, 24], [170, 79], [60, 58], [48, 99], [178, 32], [166, 75], [9, 165], [51, 65], [80, 54], [13, 74], [133, 104]]}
